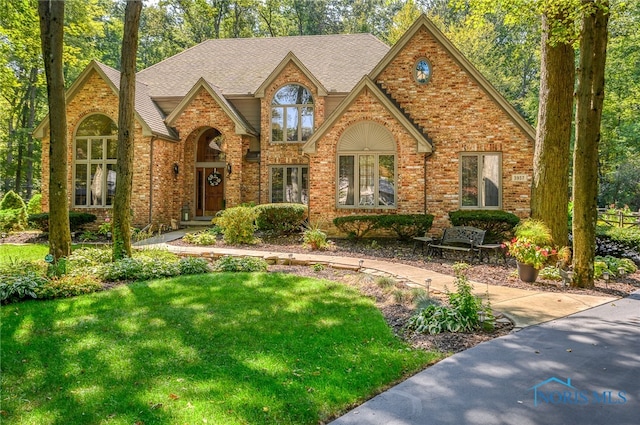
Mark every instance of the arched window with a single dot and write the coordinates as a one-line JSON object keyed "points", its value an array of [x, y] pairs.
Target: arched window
{"points": [[94, 162], [366, 167], [291, 114]]}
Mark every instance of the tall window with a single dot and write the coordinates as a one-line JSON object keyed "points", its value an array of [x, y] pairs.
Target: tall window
{"points": [[480, 180], [366, 167], [291, 114], [94, 162], [290, 184]]}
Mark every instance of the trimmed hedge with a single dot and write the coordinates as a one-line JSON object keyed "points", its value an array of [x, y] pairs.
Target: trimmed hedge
{"points": [[405, 226], [12, 201], [13, 220], [280, 218], [76, 220], [498, 224]]}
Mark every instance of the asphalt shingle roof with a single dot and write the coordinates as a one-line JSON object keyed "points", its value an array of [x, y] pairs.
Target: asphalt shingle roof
{"points": [[238, 66], [144, 105]]}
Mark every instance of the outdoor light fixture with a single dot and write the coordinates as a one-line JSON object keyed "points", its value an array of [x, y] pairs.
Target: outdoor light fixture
{"points": [[606, 276], [176, 168], [185, 213], [621, 271], [229, 169], [428, 283], [360, 263], [481, 316]]}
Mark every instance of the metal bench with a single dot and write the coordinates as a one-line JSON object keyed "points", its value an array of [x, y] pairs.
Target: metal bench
{"points": [[460, 239]]}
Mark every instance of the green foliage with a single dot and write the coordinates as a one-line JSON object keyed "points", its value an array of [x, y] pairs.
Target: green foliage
{"points": [[318, 267], [141, 268], [76, 220], [34, 206], [240, 264], [385, 282], [461, 315], [68, 286], [406, 226], [355, 226], [13, 220], [498, 224], [16, 287], [88, 257], [88, 236], [57, 269], [613, 265], [200, 238], [280, 218], [12, 201], [238, 225], [193, 265], [534, 231], [314, 238], [626, 236]]}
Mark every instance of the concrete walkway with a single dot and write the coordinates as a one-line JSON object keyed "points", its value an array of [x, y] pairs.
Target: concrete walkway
{"points": [[524, 307]]}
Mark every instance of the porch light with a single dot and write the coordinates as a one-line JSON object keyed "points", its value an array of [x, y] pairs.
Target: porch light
{"points": [[185, 213], [229, 169], [176, 168]]}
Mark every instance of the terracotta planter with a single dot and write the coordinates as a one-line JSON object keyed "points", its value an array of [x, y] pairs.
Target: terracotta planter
{"points": [[527, 273]]}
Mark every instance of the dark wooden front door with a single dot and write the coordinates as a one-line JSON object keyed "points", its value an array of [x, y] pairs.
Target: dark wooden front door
{"points": [[209, 191]]}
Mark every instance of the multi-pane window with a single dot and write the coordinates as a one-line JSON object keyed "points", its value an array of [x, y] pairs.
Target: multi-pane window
{"points": [[291, 114], [480, 180], [290, 184], [366, 180], [94, 162], [367, 175]]}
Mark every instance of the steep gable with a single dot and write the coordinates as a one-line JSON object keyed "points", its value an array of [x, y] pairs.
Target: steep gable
{"points": [[423, 38], [291, 59]]}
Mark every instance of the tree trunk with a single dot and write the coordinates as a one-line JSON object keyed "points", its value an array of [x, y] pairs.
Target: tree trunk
{"points": [[51, 34], [30, 124], [126, 133], [590, 97], [550, 187]]}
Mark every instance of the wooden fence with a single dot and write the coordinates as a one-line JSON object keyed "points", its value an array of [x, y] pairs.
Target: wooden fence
{"points": [[619, 218]]}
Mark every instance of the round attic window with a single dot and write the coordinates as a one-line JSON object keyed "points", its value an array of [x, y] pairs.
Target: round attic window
{"points": [[422, 71]]}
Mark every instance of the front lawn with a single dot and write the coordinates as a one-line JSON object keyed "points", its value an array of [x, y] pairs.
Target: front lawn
{"points": [[228, 348], [9, 253]]}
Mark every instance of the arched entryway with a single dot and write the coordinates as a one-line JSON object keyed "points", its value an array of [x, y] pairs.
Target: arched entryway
{"points": [[210, 174]]}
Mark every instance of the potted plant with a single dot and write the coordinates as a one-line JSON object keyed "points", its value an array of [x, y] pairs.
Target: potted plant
{"points": [[531, 247]]}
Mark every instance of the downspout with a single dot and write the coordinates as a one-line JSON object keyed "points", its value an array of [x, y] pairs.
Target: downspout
{"points": [[153, 138], [306, 155]]}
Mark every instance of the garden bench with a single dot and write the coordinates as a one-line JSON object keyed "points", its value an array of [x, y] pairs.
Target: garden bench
{"points": [[460, 239]]}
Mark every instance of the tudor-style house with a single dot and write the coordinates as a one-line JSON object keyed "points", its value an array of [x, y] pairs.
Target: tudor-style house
{"points": [[342, 123]]}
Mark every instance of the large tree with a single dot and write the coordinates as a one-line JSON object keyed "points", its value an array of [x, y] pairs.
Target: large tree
{"points": [[552, 154], [589, 100], [126, 133], [51, 32]]}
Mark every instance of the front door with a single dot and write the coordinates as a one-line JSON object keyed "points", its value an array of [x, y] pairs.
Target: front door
{"points": [[209, 176], [209, 190]]}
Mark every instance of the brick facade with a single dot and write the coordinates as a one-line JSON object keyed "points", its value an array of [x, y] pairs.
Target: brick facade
{"points": [[458, 114]]}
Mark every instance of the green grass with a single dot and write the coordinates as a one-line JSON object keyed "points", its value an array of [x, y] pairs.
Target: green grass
{"points": [[231, 348], [29, 252]]}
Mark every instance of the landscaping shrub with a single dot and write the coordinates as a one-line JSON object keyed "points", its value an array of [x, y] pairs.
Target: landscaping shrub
{"points": [[406, 226], [15, 287], [615, 266], [461, 315], [498, 224], [280, 218], [76, 220], [200, 238], [88, 257], [34, 206], [314, 238], [356, 226], [140, 268], [13, 220], [12, 201], [240, 264], [238, 224], [193, 265], [68, 286], [621, 242]]}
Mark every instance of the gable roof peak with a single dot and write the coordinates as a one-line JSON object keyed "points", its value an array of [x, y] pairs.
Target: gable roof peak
{"points": [[290, 58]]}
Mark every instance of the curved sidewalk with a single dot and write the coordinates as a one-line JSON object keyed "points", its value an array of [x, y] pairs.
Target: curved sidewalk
{"points": [[524, 307]]}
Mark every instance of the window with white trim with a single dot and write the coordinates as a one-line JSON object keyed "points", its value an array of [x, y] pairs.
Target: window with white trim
{"points": [[291, 115], [481, 180], [367, 174], [290, 184], [94, 162]]}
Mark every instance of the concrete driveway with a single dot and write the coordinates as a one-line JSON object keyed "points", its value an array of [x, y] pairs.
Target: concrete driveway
{"points": [[583, 369]]}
